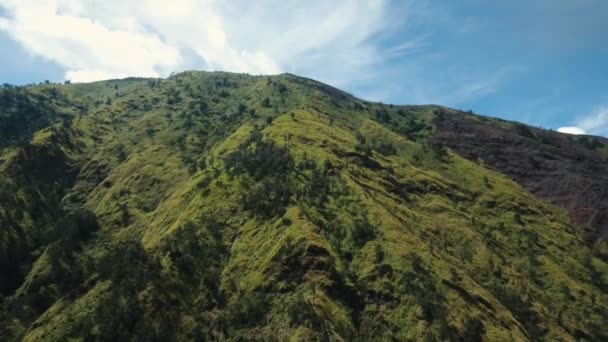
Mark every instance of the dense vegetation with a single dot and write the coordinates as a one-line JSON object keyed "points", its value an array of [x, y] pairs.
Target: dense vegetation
{"points": [[217, 206]]}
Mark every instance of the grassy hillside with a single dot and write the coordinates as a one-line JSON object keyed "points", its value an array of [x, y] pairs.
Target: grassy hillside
{"points": [[217, 206]]}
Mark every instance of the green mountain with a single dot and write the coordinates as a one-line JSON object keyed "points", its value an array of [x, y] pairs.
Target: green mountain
{"points": [[218, 206]]}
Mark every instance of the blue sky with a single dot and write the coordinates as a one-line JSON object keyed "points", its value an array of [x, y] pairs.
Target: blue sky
{"points": [[543, 62]]}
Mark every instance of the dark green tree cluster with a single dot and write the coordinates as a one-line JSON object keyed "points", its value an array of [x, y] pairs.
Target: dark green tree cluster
{"points": [[385, 148], [258, 158], [173, 96], [268, 166], [320, 182], [365, 147], [438, 150], [413, 129], [361, 229], [282, 88], [382, 115], [269, 197], [22, 113]]}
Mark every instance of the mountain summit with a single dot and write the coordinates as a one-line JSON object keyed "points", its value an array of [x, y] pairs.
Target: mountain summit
{"points": [[219, 206]]}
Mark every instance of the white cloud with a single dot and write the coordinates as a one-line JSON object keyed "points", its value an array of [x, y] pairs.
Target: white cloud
{"points": [[85, 47], [571, 130], [364, 46], [115, 38], [596, 122], [463, 87]]}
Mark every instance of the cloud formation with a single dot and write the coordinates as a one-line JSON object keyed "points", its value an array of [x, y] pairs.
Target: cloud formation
{"points": [[86, 48], [112, 39], [595, 123], [497, 58], [571, 130]]}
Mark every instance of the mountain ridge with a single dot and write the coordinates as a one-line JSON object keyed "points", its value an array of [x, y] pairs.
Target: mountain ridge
{"points": [[226, 206]]}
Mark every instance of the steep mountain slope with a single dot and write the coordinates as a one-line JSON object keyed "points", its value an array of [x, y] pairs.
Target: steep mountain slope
{"points": [[222, 206], [570, 172]]}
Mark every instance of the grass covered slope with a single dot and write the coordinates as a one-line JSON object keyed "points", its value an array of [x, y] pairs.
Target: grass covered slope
{"points": [[222, 206]]}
